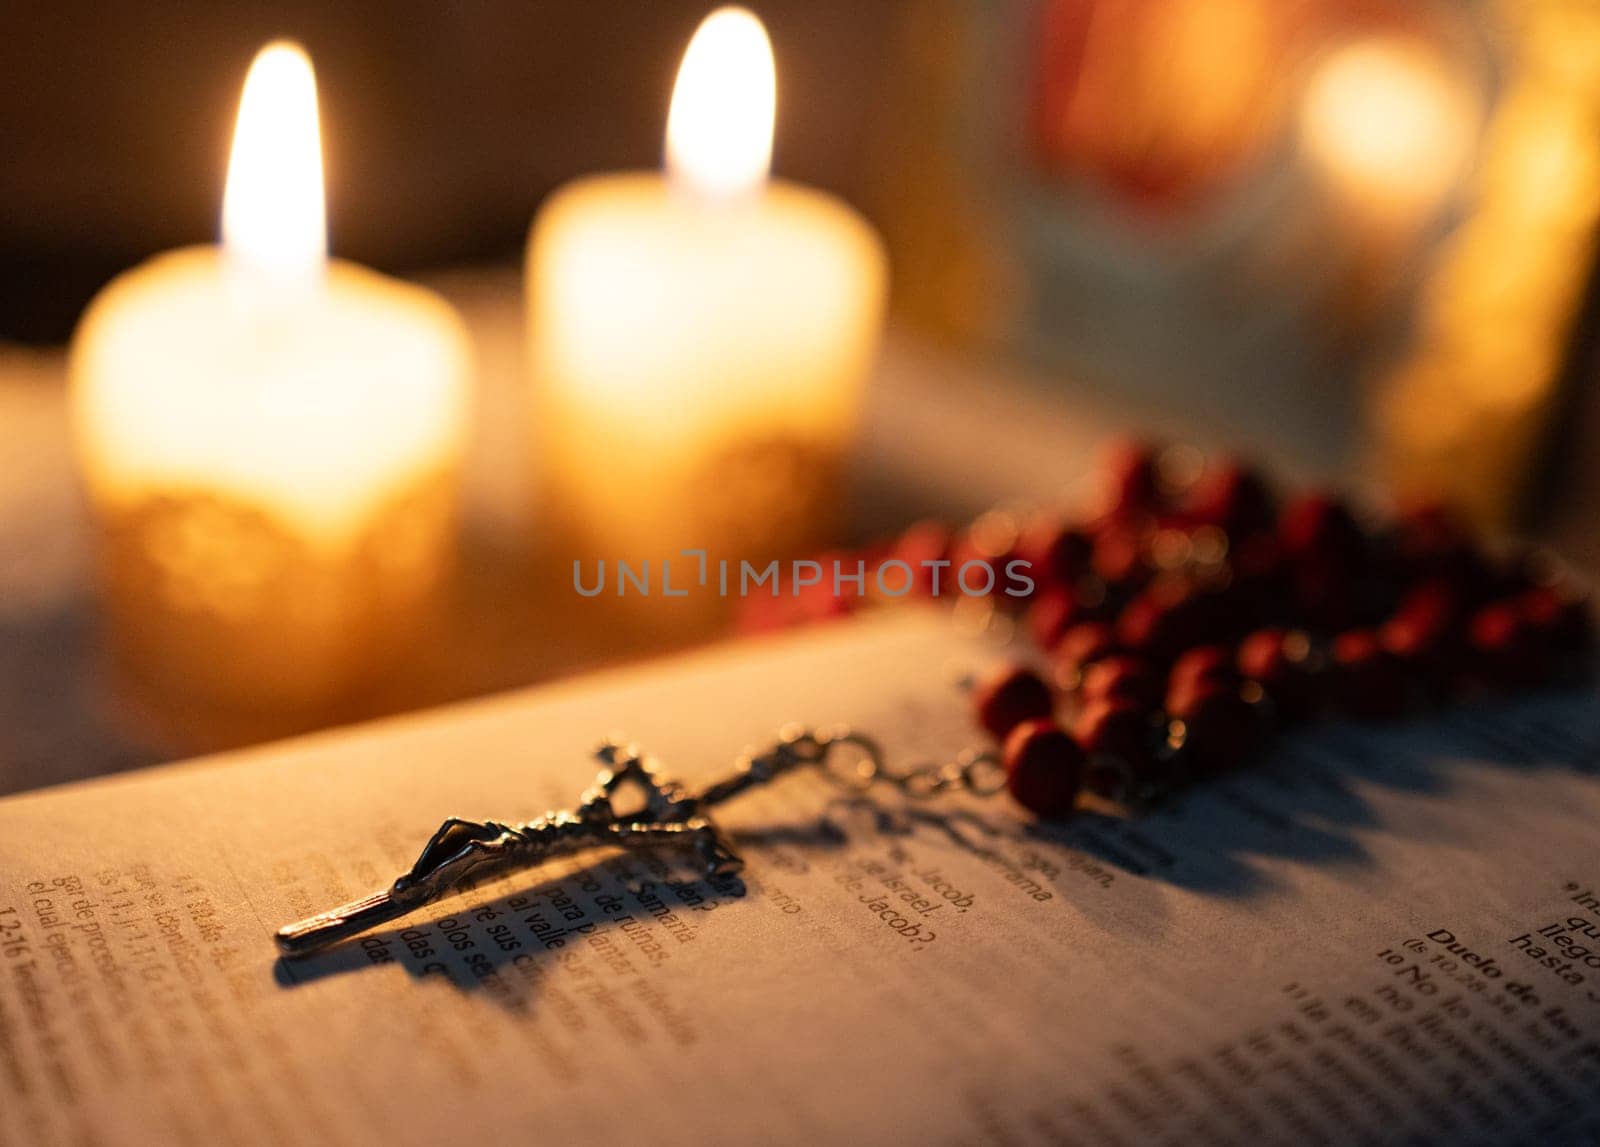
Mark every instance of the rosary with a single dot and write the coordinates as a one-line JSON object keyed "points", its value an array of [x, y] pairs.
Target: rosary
{"points": [[1176, 626]]}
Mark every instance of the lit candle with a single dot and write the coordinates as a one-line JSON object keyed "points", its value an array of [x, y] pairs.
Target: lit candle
{"points": [[1388, 123], [699, 341], [270, 439]]}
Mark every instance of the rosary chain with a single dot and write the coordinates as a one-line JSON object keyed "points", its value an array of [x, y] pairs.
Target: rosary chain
{"points": [[976, 771]]}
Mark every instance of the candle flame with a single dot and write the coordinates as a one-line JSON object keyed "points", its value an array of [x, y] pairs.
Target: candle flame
{"points": [[719, 131], [273, 218]]}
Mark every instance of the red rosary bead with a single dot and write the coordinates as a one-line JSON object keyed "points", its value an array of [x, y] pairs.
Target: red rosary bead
{"points": [[1182, 701], [1121, 676], [1132, 482], [1424, 629], [1116, 734], [1235, 498], [1216, 731], [1565, 622], [1205, 663], [1044, 768], [1369, 681], [1261, 657], [1326, 594], [1010, 697], [1277, 660], [819, 603], [1167, 617], [1054, 612], [1057, 554], [1199, 673], [1260, 570], [918, 544], [1429, 541], [1083, 643], [1505, 647], [1317, 527], [1118, 557], [965, 550]]}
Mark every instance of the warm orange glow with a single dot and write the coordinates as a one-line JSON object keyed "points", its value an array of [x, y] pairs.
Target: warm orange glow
{"points": [[273, 220], [719, 131], [1390, 124], [1466, 413]]}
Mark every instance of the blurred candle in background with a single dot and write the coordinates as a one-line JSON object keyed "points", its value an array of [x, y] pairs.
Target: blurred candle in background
{"points": [[699, 341], [1389, 122], [1466, 414], [1388, 125], [270, 439]]}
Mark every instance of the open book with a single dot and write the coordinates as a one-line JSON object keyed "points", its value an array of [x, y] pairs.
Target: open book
{"points": [[1374, 935]]}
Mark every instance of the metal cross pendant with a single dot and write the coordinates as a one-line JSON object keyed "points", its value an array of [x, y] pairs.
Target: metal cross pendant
{"points": [[670, 815]]}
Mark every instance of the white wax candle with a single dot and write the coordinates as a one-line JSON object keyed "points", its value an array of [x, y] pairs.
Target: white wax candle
{"points": [[270, 439], [699, 341]]}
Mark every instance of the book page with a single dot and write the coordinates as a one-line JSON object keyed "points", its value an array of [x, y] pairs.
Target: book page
{"points": [[1373, 935]]}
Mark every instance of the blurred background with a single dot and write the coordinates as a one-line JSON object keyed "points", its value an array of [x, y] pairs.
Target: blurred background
{"points": [[1353, 237], [443, 126]]}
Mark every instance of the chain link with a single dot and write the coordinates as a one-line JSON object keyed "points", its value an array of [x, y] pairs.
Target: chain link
{"points": [[977, 771]]}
